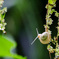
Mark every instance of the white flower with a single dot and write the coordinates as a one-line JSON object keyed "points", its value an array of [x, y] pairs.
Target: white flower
{"points": [[0, 25], [5, 9], [49, 21], [4, 31], [1, 1], [5, 24], [0, 28], [3, 20]]}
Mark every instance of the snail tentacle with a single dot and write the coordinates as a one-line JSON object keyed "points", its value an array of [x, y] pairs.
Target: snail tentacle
{"points": [[37, 31], [34, 40]]}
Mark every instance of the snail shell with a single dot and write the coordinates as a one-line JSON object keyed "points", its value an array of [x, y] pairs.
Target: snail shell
{"points": [[44, 38]]}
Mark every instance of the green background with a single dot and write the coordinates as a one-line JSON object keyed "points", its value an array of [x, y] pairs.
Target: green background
{"points": [[22, 18]]}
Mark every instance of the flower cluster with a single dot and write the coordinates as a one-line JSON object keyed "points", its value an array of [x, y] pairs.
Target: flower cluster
{"points": [[50, 49], [1, 2], [2, 15], [57, 53], [51, 4], [50, 10]]}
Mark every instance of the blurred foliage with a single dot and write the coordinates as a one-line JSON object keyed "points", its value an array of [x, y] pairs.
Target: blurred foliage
{"points": [[6, 47], [22, 20], [6, 44]]}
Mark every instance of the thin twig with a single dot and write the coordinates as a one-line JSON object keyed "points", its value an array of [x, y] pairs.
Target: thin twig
{"points": [[50, 55]]}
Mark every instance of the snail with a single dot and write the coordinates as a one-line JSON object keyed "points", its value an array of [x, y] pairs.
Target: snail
{"points": [[44, 38]]}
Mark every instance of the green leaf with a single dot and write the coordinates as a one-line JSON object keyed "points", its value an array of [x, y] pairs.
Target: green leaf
{"points": [[6, 47]]}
